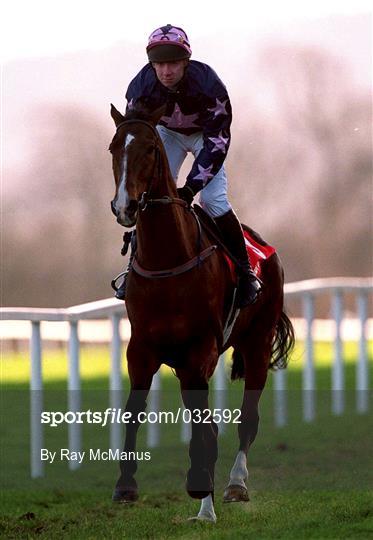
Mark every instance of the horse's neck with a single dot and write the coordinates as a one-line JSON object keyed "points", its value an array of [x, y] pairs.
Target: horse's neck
{"points": [[166, 234]]}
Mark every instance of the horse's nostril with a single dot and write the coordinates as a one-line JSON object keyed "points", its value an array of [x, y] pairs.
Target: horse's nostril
{"points": [[113, 208]]}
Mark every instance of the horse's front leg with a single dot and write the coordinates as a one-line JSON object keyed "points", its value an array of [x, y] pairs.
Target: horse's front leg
{"points": [[203, 452], [142, 364], [203, 444]]}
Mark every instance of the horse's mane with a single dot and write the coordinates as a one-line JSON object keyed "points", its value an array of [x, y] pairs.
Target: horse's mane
{"points": [[138, 113]]}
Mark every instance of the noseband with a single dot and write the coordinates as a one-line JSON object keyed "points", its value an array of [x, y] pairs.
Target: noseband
{"points": [[145, 201]]}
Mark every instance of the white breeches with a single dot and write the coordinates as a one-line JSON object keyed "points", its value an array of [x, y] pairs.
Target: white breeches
{"points": [[213, 197]]}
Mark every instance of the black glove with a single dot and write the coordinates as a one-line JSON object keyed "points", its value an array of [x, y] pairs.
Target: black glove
{"points": [[186, 193]]}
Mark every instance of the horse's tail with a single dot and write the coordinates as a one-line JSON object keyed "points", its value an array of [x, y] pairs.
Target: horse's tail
{"points": [[282, 345]]}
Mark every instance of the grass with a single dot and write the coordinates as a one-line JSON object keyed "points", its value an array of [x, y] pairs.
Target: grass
{"points": [[309, 480], [95, 362], [90, 515]]}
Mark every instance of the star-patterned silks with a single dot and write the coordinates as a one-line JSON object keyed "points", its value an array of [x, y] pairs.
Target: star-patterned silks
{"points": [[180, 120], [200, 108], [205, 174], [220, 143], [219, 108]]}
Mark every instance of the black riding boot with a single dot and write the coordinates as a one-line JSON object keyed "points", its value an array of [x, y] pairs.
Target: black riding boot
{"points": [[249, 286], [120, 292]]}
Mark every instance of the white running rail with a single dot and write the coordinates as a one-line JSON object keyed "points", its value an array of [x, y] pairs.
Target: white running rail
{"points": [[114, 310]]}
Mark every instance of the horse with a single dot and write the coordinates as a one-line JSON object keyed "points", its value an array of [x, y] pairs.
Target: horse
{"points": [[178, 299]]}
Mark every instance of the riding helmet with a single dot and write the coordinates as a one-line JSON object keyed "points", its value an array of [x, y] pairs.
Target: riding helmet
{"points": [[168, 44]]}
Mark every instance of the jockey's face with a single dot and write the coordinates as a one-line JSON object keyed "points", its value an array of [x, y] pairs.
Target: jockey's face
{"points": [[170, 73]]}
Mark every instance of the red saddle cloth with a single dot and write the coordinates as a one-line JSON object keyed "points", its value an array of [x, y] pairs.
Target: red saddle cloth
{"points": [[257, 254]]}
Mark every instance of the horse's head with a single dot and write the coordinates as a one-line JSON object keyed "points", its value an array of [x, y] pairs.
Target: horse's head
{"points": [[136, 156]]}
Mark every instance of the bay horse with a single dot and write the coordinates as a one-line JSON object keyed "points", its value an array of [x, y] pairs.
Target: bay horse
{"points": [[179, 293]]}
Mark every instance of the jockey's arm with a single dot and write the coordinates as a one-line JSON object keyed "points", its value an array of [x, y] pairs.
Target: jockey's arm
{"points": [[216, 140]]}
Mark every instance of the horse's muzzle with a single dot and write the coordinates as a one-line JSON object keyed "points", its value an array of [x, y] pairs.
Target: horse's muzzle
{"points": [[126, 217], [127, 221]]}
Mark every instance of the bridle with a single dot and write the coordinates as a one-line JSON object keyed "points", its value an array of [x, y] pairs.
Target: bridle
{"points": [[145, 201]]}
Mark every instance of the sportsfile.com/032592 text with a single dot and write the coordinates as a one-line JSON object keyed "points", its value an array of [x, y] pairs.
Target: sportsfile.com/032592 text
{"points": [[113, 416]]}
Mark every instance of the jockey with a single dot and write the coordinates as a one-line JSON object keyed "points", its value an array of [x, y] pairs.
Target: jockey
{"points": [[197, 120]]}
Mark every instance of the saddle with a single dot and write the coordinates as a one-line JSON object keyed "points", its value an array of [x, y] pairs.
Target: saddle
{"points": [[257, 249], [208, 225]]}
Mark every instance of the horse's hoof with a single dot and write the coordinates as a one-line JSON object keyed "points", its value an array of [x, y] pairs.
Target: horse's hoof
{"points": [[205, 518], [235, 493], [124, 496]]}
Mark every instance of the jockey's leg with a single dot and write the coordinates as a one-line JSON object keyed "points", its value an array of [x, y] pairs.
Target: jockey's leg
{"points": [[175, 147], [215, 202], [249, 286]]}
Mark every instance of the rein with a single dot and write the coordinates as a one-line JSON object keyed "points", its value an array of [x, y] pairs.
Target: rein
{"points": [[146, 202], [196, 261]]}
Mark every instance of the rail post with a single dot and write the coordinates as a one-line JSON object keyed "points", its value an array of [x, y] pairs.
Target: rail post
{"points": [[116, 429], [153, 429], [362, 372], [280, 397], [220, 385], [74, 398], [36, 402], [338, 368], [308, 382]]}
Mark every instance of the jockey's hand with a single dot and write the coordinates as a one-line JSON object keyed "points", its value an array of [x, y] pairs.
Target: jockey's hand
{"points": [[186, 193]]}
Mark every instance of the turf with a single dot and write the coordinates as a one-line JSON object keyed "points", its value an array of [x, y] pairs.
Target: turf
{"points": [[307, 480]]}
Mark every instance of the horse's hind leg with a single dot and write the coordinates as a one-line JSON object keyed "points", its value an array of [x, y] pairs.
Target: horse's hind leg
{"points": [[236, 489], [255, 352], [142, 364]]}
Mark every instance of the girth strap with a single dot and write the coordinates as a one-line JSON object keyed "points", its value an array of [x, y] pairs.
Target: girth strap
{"points": [[177, 269]]}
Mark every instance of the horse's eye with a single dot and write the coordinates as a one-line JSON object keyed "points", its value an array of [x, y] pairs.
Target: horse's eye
{"points": [[150, 149]]}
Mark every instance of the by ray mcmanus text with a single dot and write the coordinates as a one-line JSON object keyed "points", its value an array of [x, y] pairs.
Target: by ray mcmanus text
{"points": [[92, 454]]}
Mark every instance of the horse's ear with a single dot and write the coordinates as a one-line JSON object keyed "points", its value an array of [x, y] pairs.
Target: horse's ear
{"points": [[116, 115], [156, 115]]}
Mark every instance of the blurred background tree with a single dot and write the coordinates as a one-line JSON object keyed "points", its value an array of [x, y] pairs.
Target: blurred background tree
{"points": [[299, 166]]}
